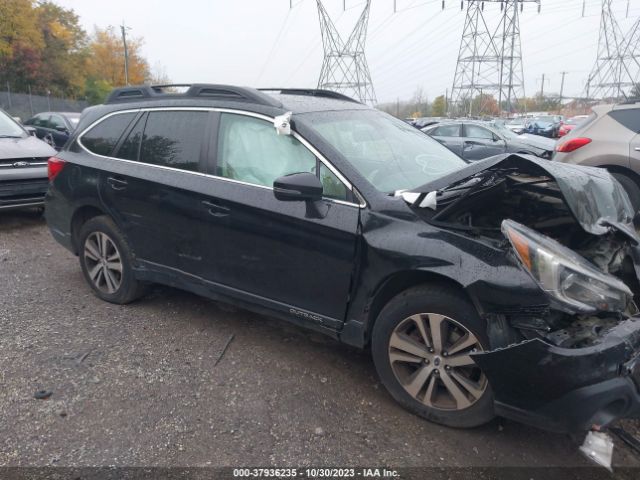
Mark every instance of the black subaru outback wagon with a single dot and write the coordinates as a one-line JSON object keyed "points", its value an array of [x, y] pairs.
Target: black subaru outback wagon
{"points": [[503, 287]]}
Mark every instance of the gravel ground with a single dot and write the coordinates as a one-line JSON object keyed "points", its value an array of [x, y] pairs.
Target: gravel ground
{"points": [[138, 385]]}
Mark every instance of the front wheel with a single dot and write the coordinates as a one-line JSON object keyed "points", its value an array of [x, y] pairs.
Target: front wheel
{"points": [[421, 345]]}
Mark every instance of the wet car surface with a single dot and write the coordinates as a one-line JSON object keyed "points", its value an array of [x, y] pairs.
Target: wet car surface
{"points": [[139, 384]]}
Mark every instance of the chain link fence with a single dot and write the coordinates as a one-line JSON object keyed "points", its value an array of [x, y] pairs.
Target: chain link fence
{"points": [[25, 105]]}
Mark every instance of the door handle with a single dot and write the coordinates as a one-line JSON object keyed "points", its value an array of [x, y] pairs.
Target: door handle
{"points": [[117, 183], [216, 210], [637, 149]]}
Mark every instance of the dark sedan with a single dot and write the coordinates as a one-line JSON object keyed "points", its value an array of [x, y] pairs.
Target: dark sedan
{"points": [[546, 126], [476, 140], [54, 127]]}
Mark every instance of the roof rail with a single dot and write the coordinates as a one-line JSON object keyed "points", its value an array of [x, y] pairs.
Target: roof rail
{"points": [[312, 93], [197, 90]]}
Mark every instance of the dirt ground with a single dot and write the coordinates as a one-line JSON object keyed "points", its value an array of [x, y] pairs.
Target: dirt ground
{"points": [[138, 385]]}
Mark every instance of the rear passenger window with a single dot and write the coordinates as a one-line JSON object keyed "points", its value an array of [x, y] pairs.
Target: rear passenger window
{"points": [[630, 118], [131, 146], [173, 139], [103, 138]]}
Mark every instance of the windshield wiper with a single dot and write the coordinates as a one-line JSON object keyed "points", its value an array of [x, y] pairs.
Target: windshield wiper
{"points": [[10, 136]]}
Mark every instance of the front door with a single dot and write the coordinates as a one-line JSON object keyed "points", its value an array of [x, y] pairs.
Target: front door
{"points": [[293, 256], [480, 142]]}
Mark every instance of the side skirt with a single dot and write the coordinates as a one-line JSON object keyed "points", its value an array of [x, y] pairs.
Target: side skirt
{"points": [[173, 277]]}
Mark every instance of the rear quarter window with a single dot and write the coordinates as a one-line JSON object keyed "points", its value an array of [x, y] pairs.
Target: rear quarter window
{"points": [[103, 137], [629, 118]]}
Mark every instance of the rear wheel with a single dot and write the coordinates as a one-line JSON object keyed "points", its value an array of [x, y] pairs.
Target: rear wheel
{"points": [[631, 187], [105, 259], [421, 345]]}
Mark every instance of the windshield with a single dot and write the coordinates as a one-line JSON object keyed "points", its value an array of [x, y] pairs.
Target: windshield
{"points": [[9, 128], [390, 154], [504, 131]]}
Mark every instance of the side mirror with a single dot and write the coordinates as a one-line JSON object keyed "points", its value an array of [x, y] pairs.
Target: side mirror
{"points": [[31, 131], [298, 187], [62, 129]]}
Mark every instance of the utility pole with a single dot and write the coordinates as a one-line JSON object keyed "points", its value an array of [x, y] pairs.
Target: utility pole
{"points": [[490, 59], [562, 87], [344, 68], [123, 29], [542, 88]]}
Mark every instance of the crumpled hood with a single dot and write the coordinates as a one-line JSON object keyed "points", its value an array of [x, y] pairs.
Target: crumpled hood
{"points": [[537, 141], [595, 198], [28, 147]]}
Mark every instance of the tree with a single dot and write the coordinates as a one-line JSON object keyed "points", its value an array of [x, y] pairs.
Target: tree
{"points": [[439, 106], [106, 61], [64, 51], [96, 90], [484, 104]]}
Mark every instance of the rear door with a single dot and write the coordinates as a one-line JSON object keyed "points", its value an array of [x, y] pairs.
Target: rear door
{"points": [[629, 118], [480, 142], [292, 256], [154, 194]]}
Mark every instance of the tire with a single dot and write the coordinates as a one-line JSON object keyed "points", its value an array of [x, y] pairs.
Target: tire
{"points": [[400, 373], [631, 187], [106, 260]]}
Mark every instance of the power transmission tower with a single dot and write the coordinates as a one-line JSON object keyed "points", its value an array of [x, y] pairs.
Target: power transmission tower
{"points": [[345, 69], [617, 68], [489, 64]]}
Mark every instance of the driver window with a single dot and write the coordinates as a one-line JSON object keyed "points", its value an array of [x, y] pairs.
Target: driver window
{"points": [[447, 131], [56, 122], [250, 150], [475, 131]]}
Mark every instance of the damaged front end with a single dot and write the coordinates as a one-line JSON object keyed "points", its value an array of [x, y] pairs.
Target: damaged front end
{"points": [[574, 362]]}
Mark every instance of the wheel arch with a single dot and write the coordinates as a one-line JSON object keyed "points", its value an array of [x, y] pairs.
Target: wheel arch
{"points": [[79, 218], [623, 171], [398, 283]]}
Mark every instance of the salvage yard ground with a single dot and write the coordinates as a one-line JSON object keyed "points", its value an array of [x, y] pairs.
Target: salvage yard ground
{"points": [[139, 385]]}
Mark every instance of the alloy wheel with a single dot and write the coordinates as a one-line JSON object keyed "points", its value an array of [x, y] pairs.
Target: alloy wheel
{"points": [[103, 262], [430, 357]]}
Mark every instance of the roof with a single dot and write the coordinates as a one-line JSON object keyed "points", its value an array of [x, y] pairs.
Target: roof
{"points": [[298, 100]]}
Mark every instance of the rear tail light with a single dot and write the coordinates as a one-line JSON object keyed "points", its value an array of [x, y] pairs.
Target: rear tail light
{"points": [[54, 167], [572, 144]]}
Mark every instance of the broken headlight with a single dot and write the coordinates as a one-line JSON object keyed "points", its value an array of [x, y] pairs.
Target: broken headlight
{"points": [[575, 284]]}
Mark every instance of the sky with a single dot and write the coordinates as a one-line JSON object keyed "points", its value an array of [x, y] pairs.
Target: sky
{"points": [[264, 43]]}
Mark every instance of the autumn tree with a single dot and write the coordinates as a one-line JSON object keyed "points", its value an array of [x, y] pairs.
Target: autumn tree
{"points": [[106, 61], [65, 49], [21, 42], [439, 106]]}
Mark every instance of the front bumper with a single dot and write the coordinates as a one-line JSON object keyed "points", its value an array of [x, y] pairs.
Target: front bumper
{"points": [[567, 389], [22, 193]]}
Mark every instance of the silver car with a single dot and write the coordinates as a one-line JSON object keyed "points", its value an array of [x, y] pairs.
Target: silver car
{"points": [[23, 166], [474, 140], [609, 138]]}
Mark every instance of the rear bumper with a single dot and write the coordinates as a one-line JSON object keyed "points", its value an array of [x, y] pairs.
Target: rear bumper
{"points": [[568, 390]]}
